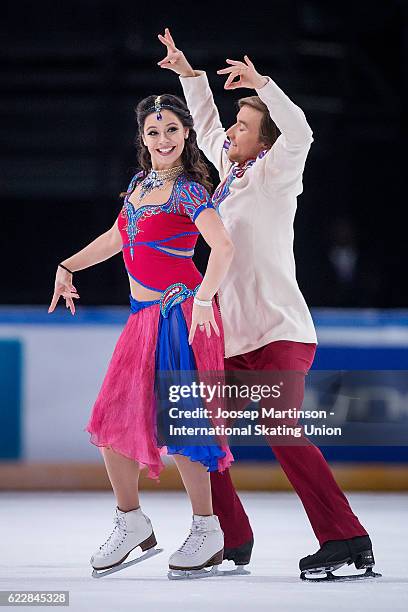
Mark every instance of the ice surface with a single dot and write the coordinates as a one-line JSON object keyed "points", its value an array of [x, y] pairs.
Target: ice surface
{"points": [[47, 540]]}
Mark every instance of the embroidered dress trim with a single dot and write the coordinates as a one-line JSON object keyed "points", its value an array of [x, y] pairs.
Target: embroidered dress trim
{"points": [[174, 294], [161, 249], [185, 196], [236, 171], [143, 284]]}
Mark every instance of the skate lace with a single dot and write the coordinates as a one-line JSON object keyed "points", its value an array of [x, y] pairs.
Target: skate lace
{"points": [[195, 538], [117, 536]]}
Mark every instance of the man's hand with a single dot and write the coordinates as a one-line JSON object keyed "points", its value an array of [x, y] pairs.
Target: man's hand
{"points": [[175, 59], [246, 73]]}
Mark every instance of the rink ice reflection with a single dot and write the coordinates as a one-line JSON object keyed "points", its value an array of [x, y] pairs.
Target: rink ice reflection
{"points": [[47, 540]]}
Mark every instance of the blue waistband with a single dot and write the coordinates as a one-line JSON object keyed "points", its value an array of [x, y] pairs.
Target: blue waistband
{"points": [[136, 305], [174, 294]]}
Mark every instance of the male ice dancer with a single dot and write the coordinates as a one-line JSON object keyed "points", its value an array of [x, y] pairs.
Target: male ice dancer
{"points": [[267, 323]]}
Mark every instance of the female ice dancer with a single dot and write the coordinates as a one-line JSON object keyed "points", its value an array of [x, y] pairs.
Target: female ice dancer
{"points": [[165, 208]]}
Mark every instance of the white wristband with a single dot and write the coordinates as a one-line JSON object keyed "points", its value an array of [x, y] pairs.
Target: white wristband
{"points": [[202, 302]]}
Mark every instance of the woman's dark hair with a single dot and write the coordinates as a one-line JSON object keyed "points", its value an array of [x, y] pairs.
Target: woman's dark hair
{"points": [[194, 167]]}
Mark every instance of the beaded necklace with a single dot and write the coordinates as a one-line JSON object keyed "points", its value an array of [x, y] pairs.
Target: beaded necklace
{"points": [[157, 179]]}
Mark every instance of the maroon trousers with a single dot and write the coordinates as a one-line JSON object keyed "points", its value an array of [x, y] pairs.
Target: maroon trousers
{"points": [[325, 504]]}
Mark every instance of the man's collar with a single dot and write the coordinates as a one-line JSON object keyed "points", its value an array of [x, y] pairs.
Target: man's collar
{"points": [[260, 155]]}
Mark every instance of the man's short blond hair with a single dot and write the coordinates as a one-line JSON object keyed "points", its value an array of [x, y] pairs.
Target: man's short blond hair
{"points": [[268, 131]]}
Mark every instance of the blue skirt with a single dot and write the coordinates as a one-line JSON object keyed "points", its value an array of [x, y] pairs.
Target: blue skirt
{"points": [[175, 364]]}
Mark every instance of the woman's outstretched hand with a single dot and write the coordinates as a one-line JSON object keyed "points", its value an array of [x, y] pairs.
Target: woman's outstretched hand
{"points": [[64, 288], [246, 73], [175, 59], [203, 316]]}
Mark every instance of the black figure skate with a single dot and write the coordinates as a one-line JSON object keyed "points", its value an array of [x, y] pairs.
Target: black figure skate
{"points": [[240, 555], [336, 553]]}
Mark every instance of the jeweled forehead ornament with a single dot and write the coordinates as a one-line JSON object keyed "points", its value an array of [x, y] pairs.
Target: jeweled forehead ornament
{"points": [[159, 105], [157, 108]]}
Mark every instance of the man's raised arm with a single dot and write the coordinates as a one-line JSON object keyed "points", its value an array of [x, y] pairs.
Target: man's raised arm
{"points": [[289, 118], [210, 133], [285, 160]]}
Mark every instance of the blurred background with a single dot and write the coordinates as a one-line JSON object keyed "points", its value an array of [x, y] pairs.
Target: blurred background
{"points": [[71, 75]]}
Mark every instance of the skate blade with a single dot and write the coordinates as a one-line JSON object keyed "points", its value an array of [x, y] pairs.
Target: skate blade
{"points": [[192, 574], [239, 570], [203, 573], [327, 576], [152, 552]]}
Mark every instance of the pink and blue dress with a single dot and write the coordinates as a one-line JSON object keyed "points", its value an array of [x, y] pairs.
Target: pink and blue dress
{"points": [[128, 410]]}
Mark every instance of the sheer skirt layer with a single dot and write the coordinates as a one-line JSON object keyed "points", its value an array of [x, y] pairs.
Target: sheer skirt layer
{"points": [[124, 416]]}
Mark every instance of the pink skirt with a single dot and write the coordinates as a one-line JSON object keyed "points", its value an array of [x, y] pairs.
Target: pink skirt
{"points": [[123, 417]]}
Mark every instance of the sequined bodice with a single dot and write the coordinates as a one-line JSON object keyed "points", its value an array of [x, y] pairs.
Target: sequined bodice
{"points": [[148, 230]]}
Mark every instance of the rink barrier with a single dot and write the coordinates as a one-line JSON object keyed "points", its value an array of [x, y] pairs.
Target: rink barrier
{"points": [[31, 459], [247, 476]]}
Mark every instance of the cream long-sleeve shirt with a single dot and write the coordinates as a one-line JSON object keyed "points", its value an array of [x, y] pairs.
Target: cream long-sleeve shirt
{"points": [[260, 299]]}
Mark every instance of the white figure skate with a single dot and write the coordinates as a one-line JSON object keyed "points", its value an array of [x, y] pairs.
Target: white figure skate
{"points": [[131, 529], [203, 547]]}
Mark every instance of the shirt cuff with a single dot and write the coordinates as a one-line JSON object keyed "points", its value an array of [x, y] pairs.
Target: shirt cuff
{"points": [[193, 87], [265, 76], [197, 74]]}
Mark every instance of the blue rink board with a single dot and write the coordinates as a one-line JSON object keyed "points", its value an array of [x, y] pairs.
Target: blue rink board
{"points": [[375, 356], [348, 358], [370, 356], [360, 358], [10, 398]]}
